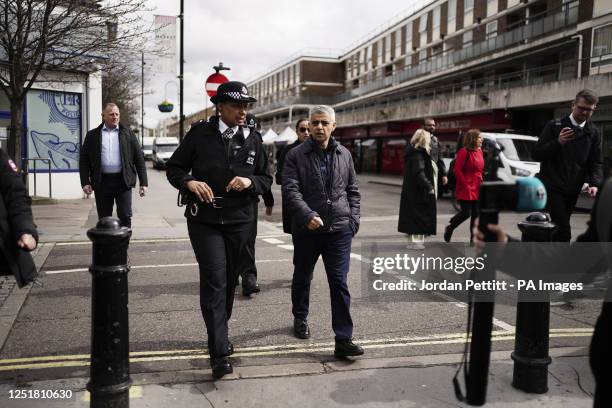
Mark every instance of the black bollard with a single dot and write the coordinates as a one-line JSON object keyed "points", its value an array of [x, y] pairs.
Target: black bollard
{"points": [[531, 340], [110, 367]]}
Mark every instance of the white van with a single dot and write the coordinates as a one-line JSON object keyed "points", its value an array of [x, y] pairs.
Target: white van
{"points": [[163, 147], [514, 154], [147, 147]]}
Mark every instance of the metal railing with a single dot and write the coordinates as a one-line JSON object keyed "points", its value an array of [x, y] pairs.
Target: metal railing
{"points": [[535, 76], [567, 16], [47, 160]]}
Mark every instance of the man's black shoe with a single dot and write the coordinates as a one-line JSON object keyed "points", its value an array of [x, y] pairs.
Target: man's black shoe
{"points": [[346, 348], [230, 348], [221, 366], [301, 329], [249, 285]]}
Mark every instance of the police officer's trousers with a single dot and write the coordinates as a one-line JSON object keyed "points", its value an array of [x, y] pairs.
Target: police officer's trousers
{"points": [[247, 260], [217, 249]]}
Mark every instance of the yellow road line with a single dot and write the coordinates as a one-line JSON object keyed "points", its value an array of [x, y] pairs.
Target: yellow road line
{"points": [[135, 392], [169, 355]]}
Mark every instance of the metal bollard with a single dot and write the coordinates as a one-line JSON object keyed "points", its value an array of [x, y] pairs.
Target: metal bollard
{"points": [[110, 367], [530, 354]]}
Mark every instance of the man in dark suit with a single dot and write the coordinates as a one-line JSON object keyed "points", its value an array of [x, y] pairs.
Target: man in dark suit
{"points": [[569, 152], [110, 159]]}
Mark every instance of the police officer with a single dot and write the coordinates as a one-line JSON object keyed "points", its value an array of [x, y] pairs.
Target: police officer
{"points": [[248, 269], [220, 171], [18, 234]]}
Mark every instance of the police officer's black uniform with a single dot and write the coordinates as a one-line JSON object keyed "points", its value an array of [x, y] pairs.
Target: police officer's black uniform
{"points": [[248, 269], [15, 220], [219, 231]]}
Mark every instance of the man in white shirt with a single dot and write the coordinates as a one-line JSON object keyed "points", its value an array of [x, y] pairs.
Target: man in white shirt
{"points": [[569, 152], [110, 159]]}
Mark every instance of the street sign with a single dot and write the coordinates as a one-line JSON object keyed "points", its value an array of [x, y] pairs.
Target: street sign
{"points": [[213, 82]]}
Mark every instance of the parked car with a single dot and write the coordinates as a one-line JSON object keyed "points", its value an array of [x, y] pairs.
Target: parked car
{"points": [[515, 158], [147, 147], [163, 147]]}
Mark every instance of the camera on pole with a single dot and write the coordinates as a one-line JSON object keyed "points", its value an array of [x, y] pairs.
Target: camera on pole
{"points": [[110, 372], [525, 195]]}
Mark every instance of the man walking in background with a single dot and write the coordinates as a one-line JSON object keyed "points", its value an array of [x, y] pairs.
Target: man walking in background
{"points": [[569, 152], [110, 160]]}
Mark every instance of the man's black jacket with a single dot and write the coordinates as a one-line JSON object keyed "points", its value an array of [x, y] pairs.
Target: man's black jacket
{"points": [[203, 156], [132, 159], [307, 195], [280, 162], [564, 168], [15, 220]]}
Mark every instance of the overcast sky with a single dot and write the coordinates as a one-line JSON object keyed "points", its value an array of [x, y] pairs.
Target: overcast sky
{"points": [[250, 36]]}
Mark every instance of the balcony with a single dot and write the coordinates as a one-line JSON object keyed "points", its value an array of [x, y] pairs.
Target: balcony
{"points": [[568, 16]]}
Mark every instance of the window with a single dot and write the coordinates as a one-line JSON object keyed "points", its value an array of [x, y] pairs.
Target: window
{"points": [[387, 48], [467, 39], [468, 5], [491, 7], [408, 36], [423, 30], [491, 29], [399, 34], [435, 24], [423, 23], [379, 52], [602, 47], [436, 17], [451, 25], [422, 56], [452, 9], [369, 57]]}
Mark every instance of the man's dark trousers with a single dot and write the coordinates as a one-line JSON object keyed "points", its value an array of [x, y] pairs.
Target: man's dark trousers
{"points": [[217, 248], [335, 249], [113, 189], [560, 206]]}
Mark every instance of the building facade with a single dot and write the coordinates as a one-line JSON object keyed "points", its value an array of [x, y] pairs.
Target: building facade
{"points": [[496, 65]]}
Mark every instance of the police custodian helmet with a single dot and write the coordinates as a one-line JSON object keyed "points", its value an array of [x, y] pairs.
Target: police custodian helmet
{"points": [[232, 91]]}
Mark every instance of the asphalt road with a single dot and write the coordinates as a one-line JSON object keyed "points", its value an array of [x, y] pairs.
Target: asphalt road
{"points": [[50, 337]]}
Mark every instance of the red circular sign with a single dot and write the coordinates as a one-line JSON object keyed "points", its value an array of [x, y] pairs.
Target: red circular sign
{"points": [[213, 82]]}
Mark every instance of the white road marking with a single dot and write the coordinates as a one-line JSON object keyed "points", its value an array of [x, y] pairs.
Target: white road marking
{"points": [[287, 247], [58, 271], [272, 241]]}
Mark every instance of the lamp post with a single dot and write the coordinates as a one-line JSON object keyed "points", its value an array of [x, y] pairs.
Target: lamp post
{"points": [[181, 118], [142, 100]]}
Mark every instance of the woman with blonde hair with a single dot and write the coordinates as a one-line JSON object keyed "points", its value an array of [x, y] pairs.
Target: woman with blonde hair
{"points": [[468, 168], [417, 215]]}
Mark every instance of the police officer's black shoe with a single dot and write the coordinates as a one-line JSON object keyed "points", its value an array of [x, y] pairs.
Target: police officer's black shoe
{"points": [[301, 329], [221, 366], [230, 348], [346, 348], [249, 285]]}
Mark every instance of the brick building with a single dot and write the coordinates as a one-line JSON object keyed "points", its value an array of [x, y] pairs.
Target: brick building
{"points": [[489, 64]]}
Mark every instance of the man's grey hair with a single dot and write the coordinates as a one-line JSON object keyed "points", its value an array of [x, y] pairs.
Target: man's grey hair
{"points": [[324, 109], [109, 105], [589, 96]]}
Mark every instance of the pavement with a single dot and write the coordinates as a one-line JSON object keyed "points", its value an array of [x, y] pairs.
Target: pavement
{"points": [[422, 380]]}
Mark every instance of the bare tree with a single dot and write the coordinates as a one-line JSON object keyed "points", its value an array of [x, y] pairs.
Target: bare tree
{"points": [[41, 37], [121, 85]]}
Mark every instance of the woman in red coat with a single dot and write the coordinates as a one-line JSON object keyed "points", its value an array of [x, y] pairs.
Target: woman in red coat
{"points": [[469, 164]]}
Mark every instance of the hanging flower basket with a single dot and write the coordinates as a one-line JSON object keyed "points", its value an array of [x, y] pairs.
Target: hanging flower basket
{"points": [[165, 107]]}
